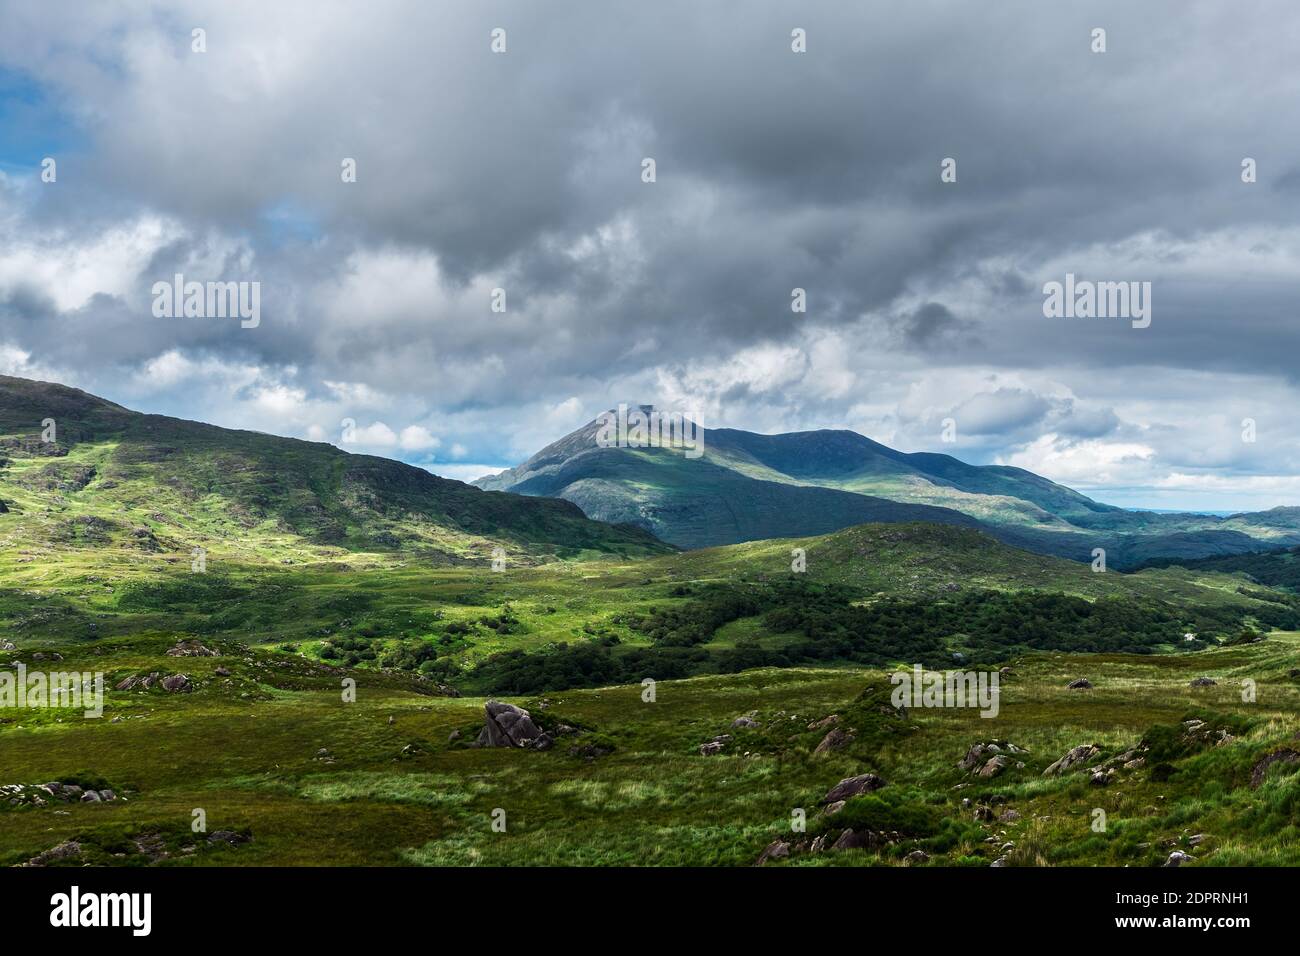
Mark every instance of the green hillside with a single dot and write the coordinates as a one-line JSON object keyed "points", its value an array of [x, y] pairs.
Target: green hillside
{"points": [[118, 482]]}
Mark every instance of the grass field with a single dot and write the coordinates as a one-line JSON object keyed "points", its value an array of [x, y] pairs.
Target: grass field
{"points": [[244, 749]]}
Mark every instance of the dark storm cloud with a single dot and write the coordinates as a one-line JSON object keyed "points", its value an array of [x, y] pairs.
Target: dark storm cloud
{"points": [[775, 170]]}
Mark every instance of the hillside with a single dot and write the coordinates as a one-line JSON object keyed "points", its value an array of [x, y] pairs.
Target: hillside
{"points": [[119, 482], [748, 486]]}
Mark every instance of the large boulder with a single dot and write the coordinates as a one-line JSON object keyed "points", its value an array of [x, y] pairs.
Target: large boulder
{"points": [[511, 726], [852, 786]]}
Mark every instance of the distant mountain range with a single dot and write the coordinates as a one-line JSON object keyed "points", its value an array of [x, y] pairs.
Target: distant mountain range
{"points": [[748, 486]]}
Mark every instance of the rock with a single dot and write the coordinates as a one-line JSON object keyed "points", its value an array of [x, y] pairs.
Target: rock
{"points": [[852, 786], [713, 747], [999, 862], [191, 648], [984, 814], [993, 767], [177, 683], [228, 836], [834, 808], [222, 672], [510, 726], [776, 850], [68, 850], [1204, 682], [1100, 778], [1080, 754], [818, 844], [125, 684], [1178, 858], [974, 756], [391, 720], [107, 796], [1081, 684], [744, 722], [1196, 839], [824, 722], [858, 840], [1009, 816], [453, 736], [90, 796], [835, 739], [8, 646], [916, 857], [1260, 770]]}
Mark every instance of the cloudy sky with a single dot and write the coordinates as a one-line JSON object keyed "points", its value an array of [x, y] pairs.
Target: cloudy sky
{"points": [[820, 170]]}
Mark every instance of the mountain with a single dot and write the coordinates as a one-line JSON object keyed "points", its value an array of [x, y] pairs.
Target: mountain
{"points": [[117, 480], [720, 498], [747, 486]]}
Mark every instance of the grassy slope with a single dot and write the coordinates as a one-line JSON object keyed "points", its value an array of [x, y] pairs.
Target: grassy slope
{"points": [[245, 753], [117, 481]]}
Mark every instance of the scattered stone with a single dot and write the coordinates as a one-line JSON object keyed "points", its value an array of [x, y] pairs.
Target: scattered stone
{"points": [[68, 850], [1178, 858], [1196, 839], [453, 736], [824, 722], [228, 836], [1080, 754], [191, 648], [1009, 816], [776, 850], [1100, 778], [852, 786], [177, 683], [744, 722], [222, 672], [858, 840], [1081, 684], [835, 739], [916, 858], [999, 862], [1204, 682], [713, 747], [994, 767]]}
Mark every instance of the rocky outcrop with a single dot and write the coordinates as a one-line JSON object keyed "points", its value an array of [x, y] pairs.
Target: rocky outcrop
{"points": [[509, 726], [852, 786], [715, 746], [191, 648], [835, 739], [1074, 757], [1260, 771]]}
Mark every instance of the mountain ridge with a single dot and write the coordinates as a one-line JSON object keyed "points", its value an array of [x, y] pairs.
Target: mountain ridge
{"points": [[693, 504]]}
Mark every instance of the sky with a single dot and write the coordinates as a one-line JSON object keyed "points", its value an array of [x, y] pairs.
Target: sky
{"points": [[774, 170]]}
